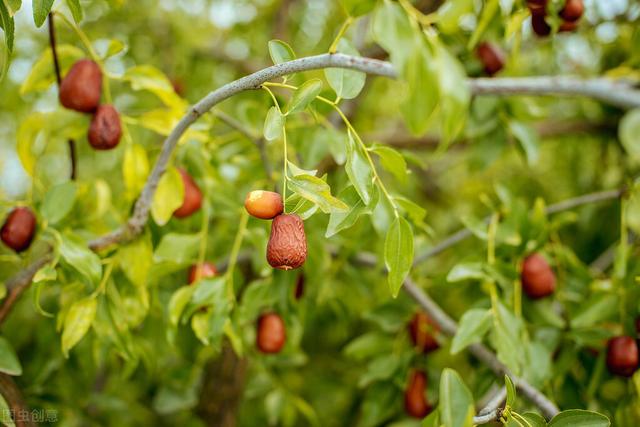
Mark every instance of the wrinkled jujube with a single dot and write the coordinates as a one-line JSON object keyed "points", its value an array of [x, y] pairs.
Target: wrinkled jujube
{"points": [[287, 247], [192, 196], [18, 229], [422, 331], [622, 356], [105, 129], [271, 334], [264, 204], [538, 279], [415, 402], [80, 89]]}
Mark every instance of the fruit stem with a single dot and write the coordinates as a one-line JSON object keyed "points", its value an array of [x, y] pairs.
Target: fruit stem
{"points": [[343, 29], [265, 86]]}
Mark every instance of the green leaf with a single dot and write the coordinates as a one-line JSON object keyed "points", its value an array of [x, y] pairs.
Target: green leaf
{"points": [[392, 161], [41, 9], [368, 345], [474, 324], [456, 401], [528, 139], [178, 302], [58, 202], [280, 52], [13, 6], [136, 259], [596, 309], [488, 12], [317, 191], [416, 213], [629, 132], [77, 323], [76, 10], [536, 420], [168, 196], [467, 271], [273, 124], [8, 26], [76, 253], [42, 74], [450, 13], [398, 253], [339, 221], [393, 31], [359, 170], [420, 73], [579, 417], [9, 363], [455, 94], [303, 96], [358, 7], [347, 84], [511, 390], [508, 338], [135, 169], [178, 248]]}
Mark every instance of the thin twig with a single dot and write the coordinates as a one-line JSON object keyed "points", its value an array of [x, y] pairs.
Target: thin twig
{"points": [[56, 67], [564, 205]]}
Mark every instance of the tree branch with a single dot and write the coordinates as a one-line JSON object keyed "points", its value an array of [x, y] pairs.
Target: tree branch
{"points": [[12, 394]]}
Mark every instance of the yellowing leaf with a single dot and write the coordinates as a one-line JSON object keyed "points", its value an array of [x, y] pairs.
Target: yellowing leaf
{"points": [[77, 323], [168, 197], [135, 168], [42, 74]]}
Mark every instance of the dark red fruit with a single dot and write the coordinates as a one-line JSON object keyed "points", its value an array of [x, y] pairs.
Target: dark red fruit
{"points": [[538, 279], [80, 89], [622, 356], [18, 229], [264, 204], [105, 130], [422, 331], [415, 402], [271, 334], [287, 247], [568, 26], [572, 11], [299, 291], [192, 196], [202, 271], [539, 25], [492, 57]]}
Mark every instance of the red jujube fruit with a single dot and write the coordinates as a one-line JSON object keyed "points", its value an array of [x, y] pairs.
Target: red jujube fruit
{"points": [[415, 402], [264, 204], [192, 196], [80, 89], [538, 279], [18, 229], [491, 56], [622, 356], [105, 129], [572, 10], [271, 334], [422, 331]]}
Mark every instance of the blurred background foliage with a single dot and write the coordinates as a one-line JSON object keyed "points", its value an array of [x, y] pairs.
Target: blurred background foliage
{"points": [[347, 354]]}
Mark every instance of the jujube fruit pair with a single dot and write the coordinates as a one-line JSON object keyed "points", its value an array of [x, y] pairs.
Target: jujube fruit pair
{"points": [[622, 356], [538, 279], [415, 402], [271, 334], [80, 91], [287, 247], [18, 229], [570, 15], [192, 196], [422, 331], [204, 270]]}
